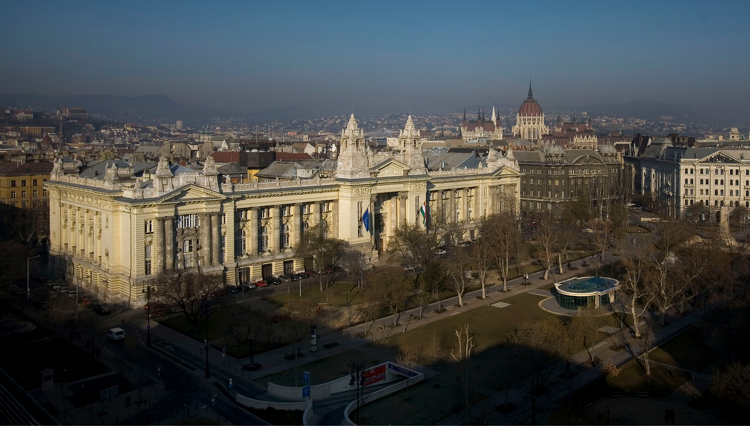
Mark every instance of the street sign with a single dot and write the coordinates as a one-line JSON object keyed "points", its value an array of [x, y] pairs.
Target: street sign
{"points": [[306, 392], [306, 377]]}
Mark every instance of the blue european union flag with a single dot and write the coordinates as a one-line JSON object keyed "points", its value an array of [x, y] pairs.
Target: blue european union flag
{"points": [[366, 219]]}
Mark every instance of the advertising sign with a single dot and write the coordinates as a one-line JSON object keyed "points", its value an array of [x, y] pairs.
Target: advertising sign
{"points": [[306, 392], [306, 377], [401, 371], [374, 375]]}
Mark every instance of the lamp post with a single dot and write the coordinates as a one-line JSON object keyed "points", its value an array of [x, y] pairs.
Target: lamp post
{"points": [[28, 287], [205, 312], [147, 290], [358, 381]]}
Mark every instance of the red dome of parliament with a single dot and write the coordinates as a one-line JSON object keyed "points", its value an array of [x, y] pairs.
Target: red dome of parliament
{"points": [[530, 107]]}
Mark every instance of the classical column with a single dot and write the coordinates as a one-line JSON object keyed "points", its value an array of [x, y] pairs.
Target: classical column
{"points": [[205, 239], [296, 224], [169, 243], [402, 197], [371, 225], [253, 248], [452, 205], [335, 215], [439, 204], [318, 212], [465, 205], [274, 239], [160, 244], [215, 232]]}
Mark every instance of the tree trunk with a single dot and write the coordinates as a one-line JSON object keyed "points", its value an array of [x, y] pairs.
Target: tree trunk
{"points": [[546, 273], [484, 292], [662, 314], [559, 263], [635, 319], [460, 298]]}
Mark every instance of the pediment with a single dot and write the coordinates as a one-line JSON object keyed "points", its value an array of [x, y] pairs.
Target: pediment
{"points": [[391, 167], [192, 192], [719, 157], [587, 159], [505, 171]]}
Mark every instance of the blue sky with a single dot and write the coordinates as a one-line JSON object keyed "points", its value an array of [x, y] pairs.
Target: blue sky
{"points": [[380, 56]]}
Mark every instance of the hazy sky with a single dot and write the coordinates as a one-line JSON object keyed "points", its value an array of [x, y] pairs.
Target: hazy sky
{"points": [[381, 57]]}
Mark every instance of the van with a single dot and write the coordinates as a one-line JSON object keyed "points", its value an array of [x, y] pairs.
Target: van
{"points": [[116, 334]]}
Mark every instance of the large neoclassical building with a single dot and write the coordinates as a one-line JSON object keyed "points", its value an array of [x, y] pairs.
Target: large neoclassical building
{"points": [[116, 225], [530, 120]]}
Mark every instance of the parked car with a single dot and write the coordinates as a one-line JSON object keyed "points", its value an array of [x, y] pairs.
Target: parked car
{"points": [[273, 280], [440, 252], [232, 289], [252, 367], [248, 286], [305, 274], [261, 283], [286, 277]]}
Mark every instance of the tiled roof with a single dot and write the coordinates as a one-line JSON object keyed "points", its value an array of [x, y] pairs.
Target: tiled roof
{"points": [[26, 169]]}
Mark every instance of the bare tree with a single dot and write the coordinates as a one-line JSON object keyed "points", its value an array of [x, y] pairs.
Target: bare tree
{"points": [[669, 276], [547, 236], [324, 252], [392, 286], [503, 236], [456, 268], [733, 383], [186, 290], [585, 329], [632, 284], [462, 355], [481, 255], [415, 245]]}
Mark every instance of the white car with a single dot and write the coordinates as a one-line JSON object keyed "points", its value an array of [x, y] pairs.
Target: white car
{"points": [[116, 334]]}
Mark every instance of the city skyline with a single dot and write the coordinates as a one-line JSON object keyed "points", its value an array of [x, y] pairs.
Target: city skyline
{"points": [[382, 57]]}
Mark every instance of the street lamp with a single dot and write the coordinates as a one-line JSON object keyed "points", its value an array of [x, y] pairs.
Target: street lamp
{"points": [[147, 290], [358, 381], [28, 287]]}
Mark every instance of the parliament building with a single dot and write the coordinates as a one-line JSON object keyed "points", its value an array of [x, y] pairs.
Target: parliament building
{"points": [[115, 226]]}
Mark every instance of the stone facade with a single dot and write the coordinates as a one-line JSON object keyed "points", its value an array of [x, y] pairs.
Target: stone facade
{"points": [[553, 175], [114, 232]]}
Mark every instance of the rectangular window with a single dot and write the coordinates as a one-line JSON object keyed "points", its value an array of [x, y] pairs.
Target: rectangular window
{"points": [[187, 246], [187, 221], [35, 193], [147, 267], [23, 194], [23, 182], [12, 184], [149, 226], [12, 194], [34, 183], [44, 192]]}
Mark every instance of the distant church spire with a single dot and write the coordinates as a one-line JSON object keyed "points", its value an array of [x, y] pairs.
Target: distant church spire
{"points": [[531, 94]]}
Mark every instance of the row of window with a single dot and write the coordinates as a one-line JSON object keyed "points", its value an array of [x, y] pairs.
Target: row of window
{"points": [[732, 192], [34, 182], [718, 172], [34, 193], [719, 203]]}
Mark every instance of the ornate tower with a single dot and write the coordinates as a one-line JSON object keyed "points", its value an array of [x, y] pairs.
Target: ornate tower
{"points": [[353, 154], [409, 142]]}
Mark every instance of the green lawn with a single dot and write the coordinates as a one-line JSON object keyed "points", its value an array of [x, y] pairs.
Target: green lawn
{"points": [[223, 319], [323, 370], [632, 379], [490, 326], [426, 403], [337, 294], [687, 350]]}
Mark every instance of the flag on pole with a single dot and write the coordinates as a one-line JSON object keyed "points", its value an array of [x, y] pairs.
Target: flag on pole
{"points": [[423, 210], [366, 220]]}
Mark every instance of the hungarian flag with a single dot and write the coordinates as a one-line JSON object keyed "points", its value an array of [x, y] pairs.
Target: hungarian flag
{"points": [[366, 220], [423, 210]]}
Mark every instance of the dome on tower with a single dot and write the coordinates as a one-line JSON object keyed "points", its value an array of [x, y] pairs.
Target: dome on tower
{"points": [[530, 107]]}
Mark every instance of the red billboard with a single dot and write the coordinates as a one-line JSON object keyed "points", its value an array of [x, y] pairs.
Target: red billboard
{"points": [[374, 375]]}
